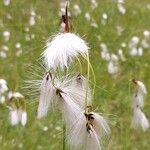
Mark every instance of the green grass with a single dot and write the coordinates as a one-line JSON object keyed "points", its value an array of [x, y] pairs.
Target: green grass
{"points": [[114, 95]]}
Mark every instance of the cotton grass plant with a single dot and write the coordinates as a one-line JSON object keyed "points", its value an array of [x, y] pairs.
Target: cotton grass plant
{"points": [[72, 94]]}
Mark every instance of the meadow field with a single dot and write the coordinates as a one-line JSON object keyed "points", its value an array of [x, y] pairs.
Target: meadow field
{"points": [[120, 29]]}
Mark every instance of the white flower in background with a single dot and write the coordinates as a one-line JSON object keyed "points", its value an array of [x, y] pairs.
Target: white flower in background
{"points": [[3, 51], [133, 46], [3, 55], [104, 52], [18, 115], [32, 18], [14, 118], [2, 99], [104, 18], [23, 118], [45, 128], [123, 45], [88, 131], [3, 86], [4, 48], [146, 40], [113, 67], [139, 120], [120, 29], [140, 51], [121, 8], [94, 24], [139, 94], [62, 49], [14, 95], [6, 2], [114, 57], [87, 16], [18, 48], [121, 55], [77, 10], [94, 4], [3, 90], [6, 36]]}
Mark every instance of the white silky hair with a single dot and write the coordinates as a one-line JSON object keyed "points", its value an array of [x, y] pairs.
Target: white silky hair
{"points": [[76, 88], [80, 138], [62, 49], [139, 120], [14, 118], [100, 125], [47, 93], [73, 91], [70, 110]]}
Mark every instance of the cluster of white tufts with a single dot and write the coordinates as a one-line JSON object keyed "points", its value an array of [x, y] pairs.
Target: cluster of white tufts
{"points": [[139, 120], [133, 45], [16, 112], [18, 115], [91, 20], [136, 45], [111, 59]]}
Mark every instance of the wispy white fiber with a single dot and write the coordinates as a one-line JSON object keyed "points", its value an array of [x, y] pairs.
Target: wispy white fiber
{"points": [[88, 131], [47, 92], [72, 89], [62, 49], [139, 120], [69, 109]]}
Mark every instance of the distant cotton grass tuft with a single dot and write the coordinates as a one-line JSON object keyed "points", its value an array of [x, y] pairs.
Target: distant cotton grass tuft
{"points": [[62, 49], [18, 115], [139, 94], [139, 120]]}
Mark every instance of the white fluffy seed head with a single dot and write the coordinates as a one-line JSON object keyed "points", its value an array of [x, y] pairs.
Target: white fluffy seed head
{"points": [[62, 49]]}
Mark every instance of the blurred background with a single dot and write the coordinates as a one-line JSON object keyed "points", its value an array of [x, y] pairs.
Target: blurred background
{"points": [[118, 34]]}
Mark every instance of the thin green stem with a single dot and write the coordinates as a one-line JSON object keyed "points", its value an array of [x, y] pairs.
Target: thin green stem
{"points": [[80, 65], [88, 76]]}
